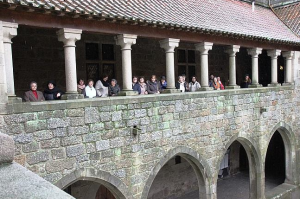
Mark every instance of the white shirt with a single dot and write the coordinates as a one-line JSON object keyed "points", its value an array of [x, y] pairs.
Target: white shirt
{"points": [[194, 87], [182, 87], [90, 92]]}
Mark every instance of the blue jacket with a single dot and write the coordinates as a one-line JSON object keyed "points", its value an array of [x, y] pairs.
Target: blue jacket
{"points": [[136, 87]]}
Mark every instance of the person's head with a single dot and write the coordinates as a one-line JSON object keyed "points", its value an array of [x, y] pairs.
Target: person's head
{"points": [[105, 77], [134, 79], [218, 78], [215, 79], [183, 77], [81, 82], [162, 79], [142, 79], [211, 76], [247, 77], [51, 85], [194, 79], [33, 86], [180, 79], [90, 83], [113, 82], [153, 78]]}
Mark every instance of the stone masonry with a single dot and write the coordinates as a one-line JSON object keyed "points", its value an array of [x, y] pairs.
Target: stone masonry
{"points": [[65, 141]]}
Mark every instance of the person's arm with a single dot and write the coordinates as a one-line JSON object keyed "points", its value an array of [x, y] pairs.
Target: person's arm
{"points": [[198, 86], [26, 97]]}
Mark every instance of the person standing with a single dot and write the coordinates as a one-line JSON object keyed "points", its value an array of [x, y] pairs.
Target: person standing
{"points": [[80, 86], [52, 92], [216, 84], [89, 90], [194, 85], [163, 83], [246, 82], [114, 88], [33, 95], [221, 85], [135, 85], [102, 87], [181, 84], [153, 86], [143, 86]]}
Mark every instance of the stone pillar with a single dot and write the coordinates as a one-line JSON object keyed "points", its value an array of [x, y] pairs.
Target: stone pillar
{"points": [[254, 52], [204, 47], [126, 41], [232, 50], [3, 88], [9, 32], [169, 45], [69, 37], [274, 54], [288, 67]]}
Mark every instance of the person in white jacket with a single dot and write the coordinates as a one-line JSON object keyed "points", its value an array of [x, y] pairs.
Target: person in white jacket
{"points": [[194, 85], [102, 87], [89, 90]]}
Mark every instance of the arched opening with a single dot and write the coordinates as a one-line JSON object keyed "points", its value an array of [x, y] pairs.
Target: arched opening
{"points": [[84, 189], [275, 162], [176, 179], [233, 176]]}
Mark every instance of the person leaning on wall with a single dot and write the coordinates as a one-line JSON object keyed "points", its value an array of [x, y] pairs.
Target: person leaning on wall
{"points": [[33, 95]]}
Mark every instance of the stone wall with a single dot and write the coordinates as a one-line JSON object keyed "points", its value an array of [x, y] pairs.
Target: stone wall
{"points": [[58, 139]]}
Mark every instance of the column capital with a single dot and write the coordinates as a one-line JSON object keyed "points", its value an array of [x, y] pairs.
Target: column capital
{"points": [[125, 41], [288, 54], [169, 44], [69, 36], [204, 47], [9, 31], [254, 52], [232, 50], [274, 53]]}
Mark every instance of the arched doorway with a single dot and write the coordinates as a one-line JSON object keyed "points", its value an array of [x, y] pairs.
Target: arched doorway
{"points": [[84, 189], [233, 176], [275, 162], [176, 179]]}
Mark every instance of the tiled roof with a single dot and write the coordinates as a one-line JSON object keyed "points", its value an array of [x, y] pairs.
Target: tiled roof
{"points": [[222, 17], [290, 15]]}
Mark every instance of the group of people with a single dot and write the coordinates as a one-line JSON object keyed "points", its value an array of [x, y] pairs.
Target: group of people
{"points": [[105, 88]]}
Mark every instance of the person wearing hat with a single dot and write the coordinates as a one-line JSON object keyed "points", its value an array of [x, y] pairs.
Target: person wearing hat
{"points": [[33, 95], [246, 82], [52, 92], [163, 83]]}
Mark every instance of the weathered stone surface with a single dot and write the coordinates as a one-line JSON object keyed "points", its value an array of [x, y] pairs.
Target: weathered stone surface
{"points": [[23, 138], [76, 150], [78, 130], [75, 112], [37, 157], [91, 137], [53, 177], [59, 132], [30, 147], [32, 126], [43, 135], [59, 165], [76, 121], [96, 127], [91, 115], [58, 122], [102, 145], [58, 153], [49, 144], [7, 150], [72, 140]]}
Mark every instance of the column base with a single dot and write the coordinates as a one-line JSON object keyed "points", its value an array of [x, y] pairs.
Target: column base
{"points": [[255, 86], [274, 85], [205, 89], [288, 84], [71, 96], [14, 100], [171, 90], [232, 87], [128, 93]]}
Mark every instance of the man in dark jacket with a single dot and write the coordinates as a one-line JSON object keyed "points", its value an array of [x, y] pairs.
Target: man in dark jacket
{"points": [[135, 85]]}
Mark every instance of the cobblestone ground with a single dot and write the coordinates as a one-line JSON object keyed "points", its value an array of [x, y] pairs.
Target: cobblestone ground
{"points": [[236, 187]]}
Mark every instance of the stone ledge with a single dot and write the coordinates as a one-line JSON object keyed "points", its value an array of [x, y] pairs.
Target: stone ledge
{"points": [[281, 191], [118, 100]]}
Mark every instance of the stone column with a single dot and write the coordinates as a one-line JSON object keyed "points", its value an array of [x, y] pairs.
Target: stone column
{"points": [[9, 32], [3, 88], [232, 50], [204, 47], [274, 54], [288, 67], [69, 37], [169, 45], [254, 52], [126, 41]]}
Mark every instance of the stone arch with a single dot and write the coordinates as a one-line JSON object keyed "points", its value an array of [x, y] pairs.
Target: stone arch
{"points": [[112, 183], [289, 140], [198, 163], [254, 159]]}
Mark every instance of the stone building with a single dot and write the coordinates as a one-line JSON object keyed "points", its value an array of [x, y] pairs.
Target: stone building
{"points": [[234, 143]]}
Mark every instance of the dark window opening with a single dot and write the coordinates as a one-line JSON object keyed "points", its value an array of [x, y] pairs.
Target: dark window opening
{"points": [[108, 52], [177, 159], [186, 63], [91, 51]]}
